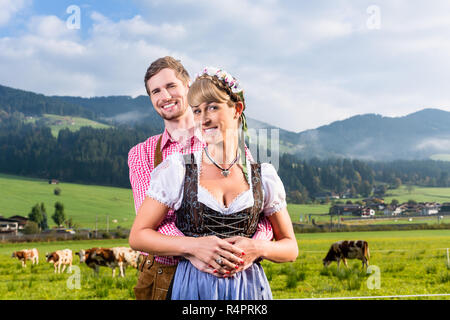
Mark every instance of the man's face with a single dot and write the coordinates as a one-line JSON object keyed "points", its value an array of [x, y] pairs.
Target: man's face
{"points": [[168, 94]]}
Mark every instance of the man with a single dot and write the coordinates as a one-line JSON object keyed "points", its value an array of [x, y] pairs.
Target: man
{"points": [[167, 84]]}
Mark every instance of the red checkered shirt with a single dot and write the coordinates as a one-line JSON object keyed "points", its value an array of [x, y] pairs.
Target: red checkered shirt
{"points": [[141, 160]]}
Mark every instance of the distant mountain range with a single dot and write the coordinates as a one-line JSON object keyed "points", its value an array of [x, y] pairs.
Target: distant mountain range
{"points": [[419, 135]]}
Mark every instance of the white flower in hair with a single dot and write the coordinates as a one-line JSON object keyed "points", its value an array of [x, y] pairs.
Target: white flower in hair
{"points": [[222, 75], [210, 71]]}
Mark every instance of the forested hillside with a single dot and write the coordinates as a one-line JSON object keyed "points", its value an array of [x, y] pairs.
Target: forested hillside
{"points": [[99, 156]]}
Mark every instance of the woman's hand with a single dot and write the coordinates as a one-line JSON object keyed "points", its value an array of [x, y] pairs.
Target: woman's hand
{"points": [[252, 249], [203, 252]]}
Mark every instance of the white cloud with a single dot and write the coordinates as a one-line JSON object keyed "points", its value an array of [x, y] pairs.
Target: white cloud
{"points": [[302, 64], [8, 8], [438, 144]]}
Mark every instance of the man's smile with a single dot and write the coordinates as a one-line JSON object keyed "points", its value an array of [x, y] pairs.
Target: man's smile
{"points": [[169, 106]]}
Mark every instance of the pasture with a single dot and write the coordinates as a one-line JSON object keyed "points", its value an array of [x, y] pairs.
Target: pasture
{"points": [[57, 122], [81, 202], [86, 203], [410, 262]]}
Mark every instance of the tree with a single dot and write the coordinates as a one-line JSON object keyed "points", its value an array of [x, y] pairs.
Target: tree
{"points": [[31, 227], [394, 202], [59, 217], [366, 189], [36, 215], [397, 183], [43, 225]]}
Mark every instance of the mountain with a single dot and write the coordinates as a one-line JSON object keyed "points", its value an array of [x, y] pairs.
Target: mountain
{"points": [[420, 135], [373, 137], [33, 104]]}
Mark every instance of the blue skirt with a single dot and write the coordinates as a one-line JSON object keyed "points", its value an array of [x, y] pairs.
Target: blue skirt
{"points": [[192, 284]]}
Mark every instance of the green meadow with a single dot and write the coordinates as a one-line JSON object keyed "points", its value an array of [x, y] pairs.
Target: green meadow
{"points": [[56, 123], [86, 202], [83, 203], [402, 263]]}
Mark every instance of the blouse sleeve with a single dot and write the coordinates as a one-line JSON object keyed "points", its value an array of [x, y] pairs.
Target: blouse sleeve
{"points": [[274, 193], [167, 180]]}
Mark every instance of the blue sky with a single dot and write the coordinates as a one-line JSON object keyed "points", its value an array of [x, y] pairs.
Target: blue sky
{"points": [[302, 64]]}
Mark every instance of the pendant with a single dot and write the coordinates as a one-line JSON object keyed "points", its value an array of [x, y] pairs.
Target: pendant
{"points": [[225, 173]]}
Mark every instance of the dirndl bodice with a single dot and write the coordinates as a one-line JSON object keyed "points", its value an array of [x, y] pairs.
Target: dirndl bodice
{"points": [[195, 219]]}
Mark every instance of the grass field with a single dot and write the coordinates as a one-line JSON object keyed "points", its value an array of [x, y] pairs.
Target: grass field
{"points": [[409, 262], [84, 202], [57, 123], [81, 202]]}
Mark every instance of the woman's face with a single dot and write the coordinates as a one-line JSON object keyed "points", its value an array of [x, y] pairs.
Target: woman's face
{"points": [[217, 121]]}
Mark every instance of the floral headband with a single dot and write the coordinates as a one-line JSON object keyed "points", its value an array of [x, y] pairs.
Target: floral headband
{"points": [[223, 76]]}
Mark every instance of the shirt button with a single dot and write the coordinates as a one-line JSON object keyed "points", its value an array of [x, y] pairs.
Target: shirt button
{"points": [[160, 271]]}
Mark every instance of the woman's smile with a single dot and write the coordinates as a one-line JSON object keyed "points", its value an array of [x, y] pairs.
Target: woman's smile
{"points": [[212, 130]]}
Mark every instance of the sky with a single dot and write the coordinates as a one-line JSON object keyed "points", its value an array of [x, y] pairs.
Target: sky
{"points": [[302, 64]]}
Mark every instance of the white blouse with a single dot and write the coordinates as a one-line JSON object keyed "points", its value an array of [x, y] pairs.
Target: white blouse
{"points": [[167, 182]]}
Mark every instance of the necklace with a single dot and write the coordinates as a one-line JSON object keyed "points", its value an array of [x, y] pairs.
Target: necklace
{"points": [[225, 172]]}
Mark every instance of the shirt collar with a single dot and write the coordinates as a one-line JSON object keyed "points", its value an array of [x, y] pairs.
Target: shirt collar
{"points": [[166, 139]]}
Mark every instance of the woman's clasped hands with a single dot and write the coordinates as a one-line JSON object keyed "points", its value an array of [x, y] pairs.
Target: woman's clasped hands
{"points": [[221, 257]]}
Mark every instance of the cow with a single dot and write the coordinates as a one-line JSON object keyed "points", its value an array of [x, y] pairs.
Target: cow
{"points": [[119, 257], [60, 257], [126, 256], [86, 257], [27, 254], [343, 250]]}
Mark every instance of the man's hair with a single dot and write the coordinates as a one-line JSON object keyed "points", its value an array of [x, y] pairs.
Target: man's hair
{"points": [[163, 63]]}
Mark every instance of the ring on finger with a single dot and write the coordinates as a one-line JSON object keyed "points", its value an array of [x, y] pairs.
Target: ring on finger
{"points": [[219, 261]]}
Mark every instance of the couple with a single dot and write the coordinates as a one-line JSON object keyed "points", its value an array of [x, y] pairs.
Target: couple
{"points": [[203, 207]]}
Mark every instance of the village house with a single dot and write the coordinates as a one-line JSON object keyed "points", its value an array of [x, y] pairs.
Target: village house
{"points": [[429, 208], [392, 210], [326, 195], [346, 209], [445, 208], [8, 225], [367, 212], [22, 221]]}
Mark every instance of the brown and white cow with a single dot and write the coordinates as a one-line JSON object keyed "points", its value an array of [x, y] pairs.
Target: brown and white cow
{"points": [[86, 257], [119, 257], [343, 250], [60, 257], [27, 254], [126, 256]]}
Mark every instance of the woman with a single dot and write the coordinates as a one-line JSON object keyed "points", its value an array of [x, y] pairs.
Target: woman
{"points": [[216, 193]]}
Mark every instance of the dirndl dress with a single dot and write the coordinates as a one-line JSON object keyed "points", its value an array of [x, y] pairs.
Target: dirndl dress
{"points": [[195, 219]]}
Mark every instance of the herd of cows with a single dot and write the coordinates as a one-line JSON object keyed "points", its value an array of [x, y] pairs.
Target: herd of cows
{"points": [[117, 257], [122, 257]]}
